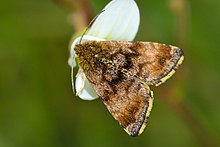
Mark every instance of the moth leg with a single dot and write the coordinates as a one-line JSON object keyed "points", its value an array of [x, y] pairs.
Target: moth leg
{"points": [[83, 81]]}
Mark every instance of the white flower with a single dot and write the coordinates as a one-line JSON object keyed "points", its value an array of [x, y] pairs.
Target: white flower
{"points": [[119, 21]]}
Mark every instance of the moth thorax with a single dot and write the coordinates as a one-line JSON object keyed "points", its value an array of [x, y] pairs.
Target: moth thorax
{"points": [[89, 53]]}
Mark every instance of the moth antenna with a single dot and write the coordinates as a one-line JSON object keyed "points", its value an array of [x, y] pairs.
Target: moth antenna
{"points": [[90, 24], [87, 28], [72, 80]]}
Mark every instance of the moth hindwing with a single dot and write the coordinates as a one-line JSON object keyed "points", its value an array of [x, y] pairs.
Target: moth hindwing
{"points": [[120, 72]]}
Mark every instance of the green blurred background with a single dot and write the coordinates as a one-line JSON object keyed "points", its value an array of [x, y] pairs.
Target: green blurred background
{"points": [[38, 108]]}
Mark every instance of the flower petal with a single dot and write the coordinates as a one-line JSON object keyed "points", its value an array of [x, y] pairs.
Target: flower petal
{"points": [[119, 21], [82, 85], [84, 88], [85, 38]]}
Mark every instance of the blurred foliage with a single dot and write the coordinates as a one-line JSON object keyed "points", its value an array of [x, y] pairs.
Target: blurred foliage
{"points": [[38, 108]]}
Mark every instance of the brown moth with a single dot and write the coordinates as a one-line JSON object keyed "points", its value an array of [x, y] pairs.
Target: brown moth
{"points": [[120, 72]]}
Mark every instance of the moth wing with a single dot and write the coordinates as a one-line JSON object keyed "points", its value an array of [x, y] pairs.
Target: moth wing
{"points": [[128, 100], [120, 72], [152, 62]]}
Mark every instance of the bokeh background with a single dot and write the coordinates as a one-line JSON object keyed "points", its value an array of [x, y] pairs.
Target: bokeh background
{"points": [[38, 108]]}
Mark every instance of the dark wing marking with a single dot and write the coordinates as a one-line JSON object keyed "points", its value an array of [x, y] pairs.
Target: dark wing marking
{"points": [[152, 62], [120, 73], [127, 99]]}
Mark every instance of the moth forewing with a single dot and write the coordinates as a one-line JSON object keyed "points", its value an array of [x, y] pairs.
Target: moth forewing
{"points": [[147, 114], [120, 72]]}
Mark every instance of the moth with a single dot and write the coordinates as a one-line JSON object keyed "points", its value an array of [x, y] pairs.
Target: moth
{"points": [[121, 72]]}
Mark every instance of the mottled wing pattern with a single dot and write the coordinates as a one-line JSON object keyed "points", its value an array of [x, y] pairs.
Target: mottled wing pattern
{"points": [[153, 62], [120, 73], [126, 99]]}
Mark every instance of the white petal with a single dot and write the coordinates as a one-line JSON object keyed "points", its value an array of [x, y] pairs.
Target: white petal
{"points": [[84, 88], [119, 21], [72, 61], [85, 38]]}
